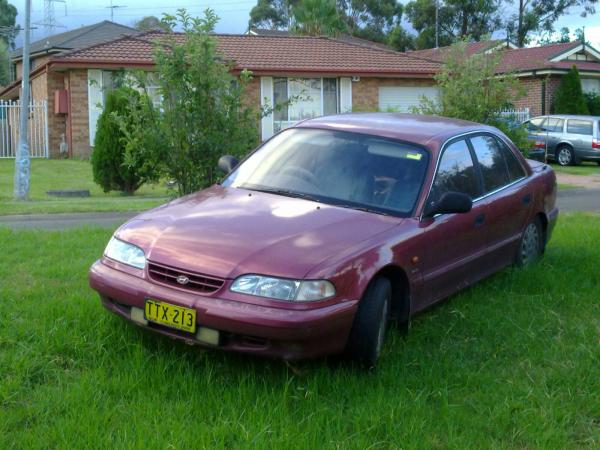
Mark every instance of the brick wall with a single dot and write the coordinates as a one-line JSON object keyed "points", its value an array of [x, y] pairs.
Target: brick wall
{"points": [[365, 93], [78, 97], [532, 99], [56, 122]]}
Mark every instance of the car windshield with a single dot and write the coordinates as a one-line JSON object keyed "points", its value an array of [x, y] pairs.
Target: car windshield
{"points": [[338, 168]]}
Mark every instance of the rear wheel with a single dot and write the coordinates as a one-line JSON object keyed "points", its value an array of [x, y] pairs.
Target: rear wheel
{"points": [[370, 323], [565, 156], [531, 245]]}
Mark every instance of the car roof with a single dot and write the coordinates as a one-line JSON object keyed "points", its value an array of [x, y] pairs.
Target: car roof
{"points": [[416, 128], [569, 116]]}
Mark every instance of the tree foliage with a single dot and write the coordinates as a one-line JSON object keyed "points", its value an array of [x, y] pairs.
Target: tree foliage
{"points": [[541, 15], [8, 17], [108, 158], [569, 98], [4, 64], [202, 115], [151, 23], [317, 18], [272, 14], [458, 19], [592, 100], [470, 90]]}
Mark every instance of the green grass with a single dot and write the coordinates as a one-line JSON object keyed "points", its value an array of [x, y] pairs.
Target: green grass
{"points": [[585, 168], [513, 362], [69, 174]]}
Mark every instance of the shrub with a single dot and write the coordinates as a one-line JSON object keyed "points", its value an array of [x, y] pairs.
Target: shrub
{"points": [[109, 169], [592, 100], [569, 97]]}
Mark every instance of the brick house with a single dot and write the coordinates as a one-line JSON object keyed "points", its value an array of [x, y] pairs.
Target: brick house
{"points": [[539, 69], [332, 75]]}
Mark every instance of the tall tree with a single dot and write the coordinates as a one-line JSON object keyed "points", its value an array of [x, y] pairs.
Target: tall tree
{"points": [[371, 19], [569, 97], [8, 16], [457, 19], [151, 23], [272, 14], [318, 17], [540, 15]]}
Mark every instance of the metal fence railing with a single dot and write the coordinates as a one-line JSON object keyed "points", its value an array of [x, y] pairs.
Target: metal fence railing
{"points": [[10, 113]]}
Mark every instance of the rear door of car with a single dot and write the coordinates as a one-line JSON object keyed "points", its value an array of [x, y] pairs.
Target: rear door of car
{"points": [[453, 242], [581, 133], [508, 198], [554, 127]]}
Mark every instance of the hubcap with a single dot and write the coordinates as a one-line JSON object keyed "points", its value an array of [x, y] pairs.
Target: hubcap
{"points": [[564, 157], [531, 244], [382, 326]]}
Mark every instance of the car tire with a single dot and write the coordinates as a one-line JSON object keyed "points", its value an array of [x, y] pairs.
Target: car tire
{"points": [[370, 323], [531, 244], [565, 156]]}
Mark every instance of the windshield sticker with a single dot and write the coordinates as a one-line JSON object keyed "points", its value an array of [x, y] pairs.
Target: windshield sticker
{"points": [[415, 156]]}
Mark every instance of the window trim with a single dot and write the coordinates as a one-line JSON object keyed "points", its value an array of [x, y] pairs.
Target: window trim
{"points": [[467, 137]]}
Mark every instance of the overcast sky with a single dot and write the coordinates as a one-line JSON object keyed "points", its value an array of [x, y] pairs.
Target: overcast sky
{"points": [[233, 14]]}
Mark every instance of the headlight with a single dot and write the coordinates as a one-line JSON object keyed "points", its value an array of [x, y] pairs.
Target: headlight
{"points": [[125, 253], [283, 289]]}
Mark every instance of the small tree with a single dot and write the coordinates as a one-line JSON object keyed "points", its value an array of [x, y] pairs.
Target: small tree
{"points": [[470, 89], [108, 157], [202, 115], [592, 99], [569, 97]]}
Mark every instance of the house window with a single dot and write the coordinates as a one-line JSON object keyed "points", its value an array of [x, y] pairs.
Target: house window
{"points": [[307, 97]]}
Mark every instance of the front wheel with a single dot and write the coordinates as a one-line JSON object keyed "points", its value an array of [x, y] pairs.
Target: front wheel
{"points": [[531, 245], [370, 323]]}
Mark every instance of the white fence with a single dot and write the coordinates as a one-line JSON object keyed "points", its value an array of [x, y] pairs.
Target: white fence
{"points": [[516, 115], [10, 113]]}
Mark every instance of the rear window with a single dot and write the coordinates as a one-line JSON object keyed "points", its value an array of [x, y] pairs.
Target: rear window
{"points": [[576, 126], [536, 124]]}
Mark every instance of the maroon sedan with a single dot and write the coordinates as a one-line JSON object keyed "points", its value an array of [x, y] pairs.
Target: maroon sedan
{"points": [[326, 232]]}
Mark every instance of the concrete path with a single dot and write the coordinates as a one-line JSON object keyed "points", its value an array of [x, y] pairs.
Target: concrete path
{"points": [[568, 201], [64, 221]]}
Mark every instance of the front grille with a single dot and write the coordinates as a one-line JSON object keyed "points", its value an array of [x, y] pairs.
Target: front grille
{"points": [[196, 282]]}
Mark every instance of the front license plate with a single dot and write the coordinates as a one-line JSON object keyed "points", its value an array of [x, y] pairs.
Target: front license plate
{"points": [[171, 315]]}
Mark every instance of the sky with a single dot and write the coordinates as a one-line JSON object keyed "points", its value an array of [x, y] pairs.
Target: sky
{"points": [[233, 14]]}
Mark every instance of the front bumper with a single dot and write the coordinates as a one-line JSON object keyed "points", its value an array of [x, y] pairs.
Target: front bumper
{"points": [[275, 332]]}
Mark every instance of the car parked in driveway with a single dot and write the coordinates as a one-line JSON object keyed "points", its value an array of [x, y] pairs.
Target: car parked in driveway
{"points": [[566, 139], [327, 231]]}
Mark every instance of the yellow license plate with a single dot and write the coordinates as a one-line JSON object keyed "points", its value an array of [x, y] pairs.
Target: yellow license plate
{"points": [[171, 315]]}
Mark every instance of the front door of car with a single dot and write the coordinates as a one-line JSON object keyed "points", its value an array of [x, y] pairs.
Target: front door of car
{"points": [[508, 197], [453, 242]]}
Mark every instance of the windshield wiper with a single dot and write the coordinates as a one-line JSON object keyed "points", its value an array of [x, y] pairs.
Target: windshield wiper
{"points": [[284, 192], [362, 208]]}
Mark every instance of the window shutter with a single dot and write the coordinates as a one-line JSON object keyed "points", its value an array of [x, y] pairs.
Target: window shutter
{"points": [[95, 100], [266, 100], [345, 95]]}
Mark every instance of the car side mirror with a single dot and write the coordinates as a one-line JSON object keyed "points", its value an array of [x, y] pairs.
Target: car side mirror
{"points": [[227, 163], [449, 203]]}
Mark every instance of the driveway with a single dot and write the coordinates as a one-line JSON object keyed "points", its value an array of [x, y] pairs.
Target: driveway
{"points": [[569, 200]]}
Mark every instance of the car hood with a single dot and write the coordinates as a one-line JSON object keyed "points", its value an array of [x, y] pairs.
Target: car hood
{"points": [[226, 232]]}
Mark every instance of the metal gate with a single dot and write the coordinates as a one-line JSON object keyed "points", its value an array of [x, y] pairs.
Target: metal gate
{"points": [[10, 113]]}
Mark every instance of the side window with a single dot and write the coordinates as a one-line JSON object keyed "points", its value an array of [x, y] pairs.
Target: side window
{"points": [[536, 124], [555, 125], [455, 172], [515, 169], [491, 162], [580, 127]]}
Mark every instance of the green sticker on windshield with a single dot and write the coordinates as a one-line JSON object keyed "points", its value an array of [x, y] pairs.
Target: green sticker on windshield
{"points": [[415, 156]]}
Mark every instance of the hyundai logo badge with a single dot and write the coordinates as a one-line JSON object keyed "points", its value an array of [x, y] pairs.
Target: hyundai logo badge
{"points": [[182, 279]]}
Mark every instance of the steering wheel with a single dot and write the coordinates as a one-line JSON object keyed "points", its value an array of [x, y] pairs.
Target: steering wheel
{"points": [[301, 173]]}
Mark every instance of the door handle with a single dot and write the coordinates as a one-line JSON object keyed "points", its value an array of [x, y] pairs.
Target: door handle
{"points": [[526, 199], [479, 220]]}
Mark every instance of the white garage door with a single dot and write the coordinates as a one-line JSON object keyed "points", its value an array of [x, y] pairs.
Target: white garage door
{"points": [[401, 99]]}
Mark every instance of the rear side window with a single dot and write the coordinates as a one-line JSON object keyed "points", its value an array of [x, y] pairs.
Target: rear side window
{"points": [[576, 126], [491, 162], [515, 169], [456, 172], [536, 124], [555, 125]]}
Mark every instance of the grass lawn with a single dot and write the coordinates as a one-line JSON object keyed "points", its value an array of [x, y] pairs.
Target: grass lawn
{"points": [[69, 174], [513, 362], [585, 168]]}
